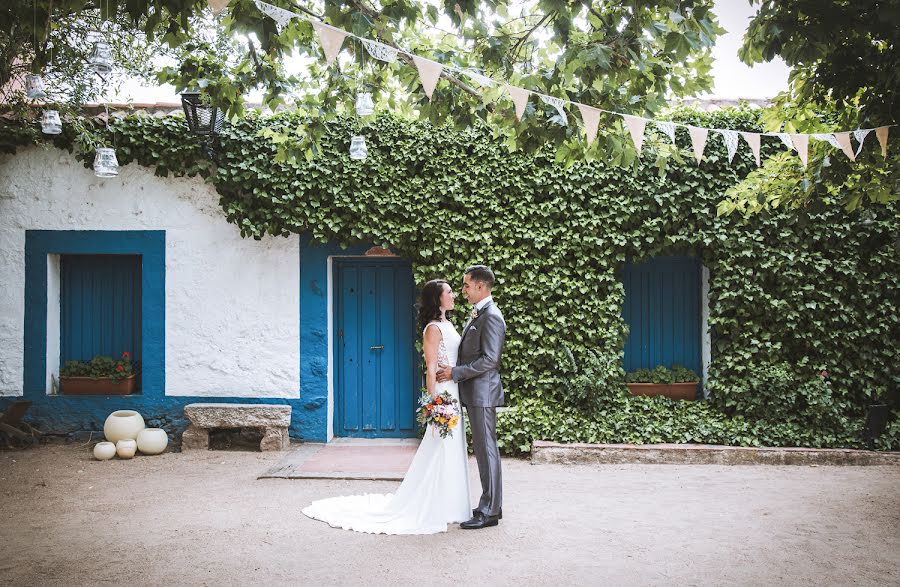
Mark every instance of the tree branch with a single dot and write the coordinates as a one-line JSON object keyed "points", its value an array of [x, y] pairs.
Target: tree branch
{"points": [[515, 48]]}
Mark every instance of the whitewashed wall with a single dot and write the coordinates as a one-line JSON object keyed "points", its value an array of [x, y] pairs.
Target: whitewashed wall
{"points": [[232, 304]]}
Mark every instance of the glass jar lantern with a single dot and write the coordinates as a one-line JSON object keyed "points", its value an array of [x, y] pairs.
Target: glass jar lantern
{"points": [[358, 150], [105, 163], [50, 123], [101, 59], [364, 104], [34, 87]]}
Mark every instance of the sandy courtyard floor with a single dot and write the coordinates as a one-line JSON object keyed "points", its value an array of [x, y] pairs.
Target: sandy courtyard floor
{"points": [[204, 519]]}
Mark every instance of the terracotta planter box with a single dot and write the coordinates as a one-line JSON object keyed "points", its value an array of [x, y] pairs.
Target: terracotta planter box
{"points": [[673, 390], [99, 386]]}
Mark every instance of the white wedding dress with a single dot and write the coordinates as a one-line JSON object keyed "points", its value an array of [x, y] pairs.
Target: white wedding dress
{"points": [[435, 490]]}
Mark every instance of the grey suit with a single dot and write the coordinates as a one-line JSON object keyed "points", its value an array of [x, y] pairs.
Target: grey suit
{"points": [[478, 374]]}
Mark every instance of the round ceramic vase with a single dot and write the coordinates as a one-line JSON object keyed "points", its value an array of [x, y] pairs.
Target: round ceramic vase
{"points": [[103, 451], [152, 441], [123, 424], [126, 448]]}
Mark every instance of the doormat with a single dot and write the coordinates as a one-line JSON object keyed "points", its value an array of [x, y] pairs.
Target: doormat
{"points": [[347, 458]]}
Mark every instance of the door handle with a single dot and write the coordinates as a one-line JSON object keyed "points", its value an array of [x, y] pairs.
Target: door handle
{"points": [[377, 346]]}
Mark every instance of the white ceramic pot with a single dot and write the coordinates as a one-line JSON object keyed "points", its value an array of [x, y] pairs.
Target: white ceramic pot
{"points": [[126, 448], [123, 424], [152, 441], [103, 451]]}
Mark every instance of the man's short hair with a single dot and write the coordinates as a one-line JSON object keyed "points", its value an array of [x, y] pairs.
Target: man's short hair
{"points": [[481, 273]]}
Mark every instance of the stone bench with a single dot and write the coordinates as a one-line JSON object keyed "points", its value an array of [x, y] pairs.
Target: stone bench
{"points": [[273, 420]]}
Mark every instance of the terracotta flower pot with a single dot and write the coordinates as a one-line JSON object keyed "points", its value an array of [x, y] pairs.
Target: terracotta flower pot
{"points": [[98, 386], [686, 391]]}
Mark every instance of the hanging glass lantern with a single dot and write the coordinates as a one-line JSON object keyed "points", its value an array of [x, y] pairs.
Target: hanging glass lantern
{"points": [[358, 148], [50, 123], [34, 87], [101, 59], [364, 105], [105, 163]]}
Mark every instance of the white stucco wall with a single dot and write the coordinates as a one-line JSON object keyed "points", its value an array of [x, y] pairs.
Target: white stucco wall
{"points": [[232, 304]]}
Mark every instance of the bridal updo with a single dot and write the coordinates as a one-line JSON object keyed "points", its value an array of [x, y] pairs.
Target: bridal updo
{"points": [[430, 303]]}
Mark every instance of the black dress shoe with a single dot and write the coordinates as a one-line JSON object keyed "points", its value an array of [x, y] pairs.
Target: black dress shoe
{"points": [[499, 516], [479, 521]]}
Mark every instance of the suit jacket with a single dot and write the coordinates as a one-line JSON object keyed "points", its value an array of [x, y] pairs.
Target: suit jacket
{"points": [[477, 368]]}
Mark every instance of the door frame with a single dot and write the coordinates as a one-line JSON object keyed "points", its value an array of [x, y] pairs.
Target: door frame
{"points": [[330, 293]]}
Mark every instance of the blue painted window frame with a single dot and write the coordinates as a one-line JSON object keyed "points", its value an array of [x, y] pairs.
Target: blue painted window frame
{"points": [[149, 244]]}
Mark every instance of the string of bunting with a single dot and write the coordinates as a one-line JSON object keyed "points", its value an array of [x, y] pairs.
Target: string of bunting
{"points": [[332, 39]]}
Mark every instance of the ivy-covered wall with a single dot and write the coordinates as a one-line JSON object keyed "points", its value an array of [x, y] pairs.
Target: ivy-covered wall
{"points": [[803, 303]]}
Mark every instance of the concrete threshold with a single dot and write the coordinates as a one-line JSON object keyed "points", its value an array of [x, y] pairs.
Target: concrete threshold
{"points": [[545, 452]]}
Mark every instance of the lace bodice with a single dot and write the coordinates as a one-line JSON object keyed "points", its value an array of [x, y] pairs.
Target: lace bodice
{"points": [[448, 349]]}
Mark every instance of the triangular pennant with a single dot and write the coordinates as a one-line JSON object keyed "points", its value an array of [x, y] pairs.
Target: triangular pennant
{"points": [[217, 6], [482, 80], [731, 142], [843, 140], [380, 51], [591, 118], [279, 15], [828, 138], [801, 143], [882, 134], [520, 99], [752, 139], [331, 39], [429, 73], [636, 127], [698, 140], [860, 135], [668, 128], [557, 103], [786, 139]]}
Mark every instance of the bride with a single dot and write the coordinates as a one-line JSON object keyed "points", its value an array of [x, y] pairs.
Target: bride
{"points": [[435, 490]]}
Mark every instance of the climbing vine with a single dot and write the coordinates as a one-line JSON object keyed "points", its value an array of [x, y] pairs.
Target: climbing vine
{"points": [[793, 293]]}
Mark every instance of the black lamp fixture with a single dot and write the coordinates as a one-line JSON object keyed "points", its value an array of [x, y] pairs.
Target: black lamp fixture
{"points": [[204, 119]]}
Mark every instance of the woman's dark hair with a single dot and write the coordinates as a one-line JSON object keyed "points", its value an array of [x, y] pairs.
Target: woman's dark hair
{"points": [[430, 303]]}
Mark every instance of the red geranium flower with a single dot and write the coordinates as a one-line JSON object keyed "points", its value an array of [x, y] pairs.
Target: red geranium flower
{"points": [[120, 368], [824, 373], [125, 355]]}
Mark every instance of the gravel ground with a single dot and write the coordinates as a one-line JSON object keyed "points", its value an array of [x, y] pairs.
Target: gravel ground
{"points": [[204, 519]]}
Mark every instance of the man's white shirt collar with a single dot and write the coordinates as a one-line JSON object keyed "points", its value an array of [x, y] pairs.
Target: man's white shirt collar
{"points": [[483, 303]]}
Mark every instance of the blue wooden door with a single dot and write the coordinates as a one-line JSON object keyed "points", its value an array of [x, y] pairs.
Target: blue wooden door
{"points": [[376, 382], [662, 310], [100, 306]]}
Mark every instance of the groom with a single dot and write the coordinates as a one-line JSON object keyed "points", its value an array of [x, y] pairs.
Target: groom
{"points": [[477, 372]]}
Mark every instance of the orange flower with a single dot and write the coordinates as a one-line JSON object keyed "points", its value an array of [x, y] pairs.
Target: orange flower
{"points": [[438, 401], [428, 407]]}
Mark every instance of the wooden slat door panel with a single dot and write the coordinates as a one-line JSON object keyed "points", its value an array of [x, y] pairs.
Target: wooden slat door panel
{"points": [[375, 379], [662, 310]]}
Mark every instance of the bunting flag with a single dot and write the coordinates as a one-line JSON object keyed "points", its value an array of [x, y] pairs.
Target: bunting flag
{"points": [[217, 6], [860, 135], [429, 73], [520, 99], [801, 144], [731, 142], [636, 126], [330, 38], [668, 128], [786, 139], [380, 51], [828, 138], [882, 134], [843, 139], [591, 118], [279, 15], [482, 80], [752, 139], [557, 103], [698, 140]]}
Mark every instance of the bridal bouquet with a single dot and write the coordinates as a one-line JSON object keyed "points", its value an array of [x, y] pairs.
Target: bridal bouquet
{"points": [[441, 410]]}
